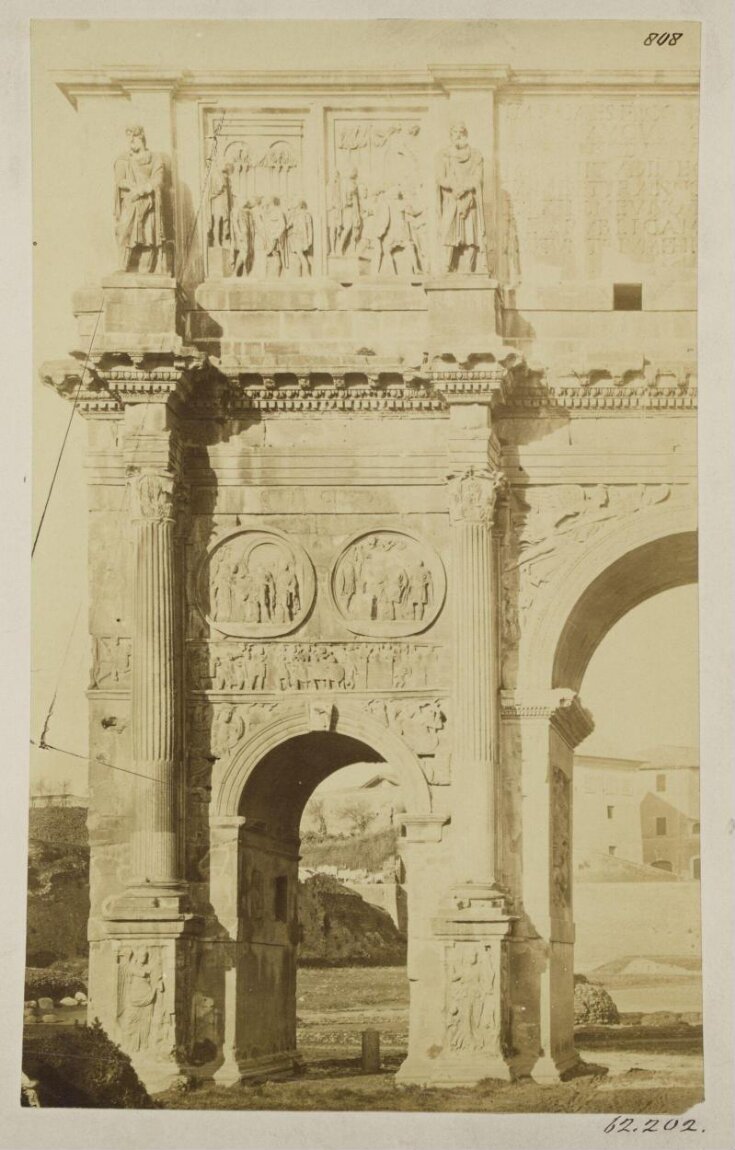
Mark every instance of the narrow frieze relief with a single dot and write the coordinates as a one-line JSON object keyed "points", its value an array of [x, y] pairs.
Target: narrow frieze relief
{"points": [[286, 667], [387, 583]]}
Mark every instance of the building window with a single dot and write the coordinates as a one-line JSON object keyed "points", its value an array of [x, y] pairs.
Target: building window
{"points": [[281, 899], [610, 811], [660, 783], [661, 826], [662, 864], [695, 828], [627, 297], [696, 868], [611, 850]]}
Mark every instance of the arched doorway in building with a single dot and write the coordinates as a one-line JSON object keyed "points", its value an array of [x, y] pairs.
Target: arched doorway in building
{"points": [[258, 803]]}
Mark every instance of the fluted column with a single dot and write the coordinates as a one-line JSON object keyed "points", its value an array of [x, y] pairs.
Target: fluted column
{"points": [[472, 508], [155, 737]]}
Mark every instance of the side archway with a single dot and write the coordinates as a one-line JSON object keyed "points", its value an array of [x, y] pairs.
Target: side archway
{"points": [[634, 560]]}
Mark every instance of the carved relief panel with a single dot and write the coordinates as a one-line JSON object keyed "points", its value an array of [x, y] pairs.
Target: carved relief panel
{"points": [[387, 583], [256, 583], [377, 193], [258, 223], [144, 1009], [561, 833], [472, 998]]}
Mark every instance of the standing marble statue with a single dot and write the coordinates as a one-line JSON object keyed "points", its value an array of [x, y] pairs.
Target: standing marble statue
{"points": [[140, 225], [461, 209]]}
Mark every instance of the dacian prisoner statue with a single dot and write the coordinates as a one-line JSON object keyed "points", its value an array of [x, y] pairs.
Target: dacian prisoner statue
{"points": [[461, 207], [140, 227]]}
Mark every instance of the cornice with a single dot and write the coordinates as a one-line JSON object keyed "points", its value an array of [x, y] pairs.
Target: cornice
{"points": [[432, 80]]}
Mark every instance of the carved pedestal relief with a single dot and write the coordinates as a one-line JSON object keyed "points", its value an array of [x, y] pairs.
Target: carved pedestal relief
{"points": [[256, 583], [144, 1012], [472, 1016], [111, 655], [388, 583]]}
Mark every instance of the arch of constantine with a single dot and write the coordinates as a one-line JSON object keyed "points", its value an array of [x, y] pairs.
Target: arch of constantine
{"points": [[391, 412]]}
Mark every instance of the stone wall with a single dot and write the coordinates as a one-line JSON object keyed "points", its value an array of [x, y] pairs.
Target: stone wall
{"points": [[620, 920]]}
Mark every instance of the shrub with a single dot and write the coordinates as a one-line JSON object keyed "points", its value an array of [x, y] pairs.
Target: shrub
{"points": [[57, 981], [81, 1066], [592, 1004]]}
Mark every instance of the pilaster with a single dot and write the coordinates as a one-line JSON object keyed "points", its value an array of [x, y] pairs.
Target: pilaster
{"points": [[548, 727], [473, 490]]}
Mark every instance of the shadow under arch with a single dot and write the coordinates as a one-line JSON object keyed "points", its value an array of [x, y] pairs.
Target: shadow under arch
{"points": [[229, 782], [258, 797], [636, 559]]}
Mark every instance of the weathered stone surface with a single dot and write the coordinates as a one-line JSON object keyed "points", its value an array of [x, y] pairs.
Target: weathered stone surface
{"points": [[407, 470]]}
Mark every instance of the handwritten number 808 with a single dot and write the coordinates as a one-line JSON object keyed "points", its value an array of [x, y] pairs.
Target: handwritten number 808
{"points": [[669, 38]]}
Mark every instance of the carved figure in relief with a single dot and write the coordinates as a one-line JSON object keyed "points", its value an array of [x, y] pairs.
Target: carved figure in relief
{"points": [[140, 997], [383, 579], [334, 213], [460, 188], [275, 236], [228, 729], [351, 220], [393, 235], [402, 667], [300, 237], [420, 589], [243, 239], [220, 207], [140, 226], [471, 1017], [286, 597]]}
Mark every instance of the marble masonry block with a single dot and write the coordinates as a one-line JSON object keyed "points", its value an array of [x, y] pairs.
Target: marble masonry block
{"points": [[138, 313], [462, 307]]}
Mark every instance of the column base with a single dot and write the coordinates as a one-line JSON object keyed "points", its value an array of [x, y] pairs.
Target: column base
{"points": [[550, 1071], [455, 1072], [150, 902], [281, 1065]]}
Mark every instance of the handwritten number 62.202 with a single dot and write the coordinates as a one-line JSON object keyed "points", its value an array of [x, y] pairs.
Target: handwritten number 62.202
{"points": [[669, 38]]}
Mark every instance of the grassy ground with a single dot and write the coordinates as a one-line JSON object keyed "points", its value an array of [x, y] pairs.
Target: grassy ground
{"points": [[642, 1071]]}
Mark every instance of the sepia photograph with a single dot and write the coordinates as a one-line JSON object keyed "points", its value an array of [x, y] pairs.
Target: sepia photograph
{"points": [[364, 720]]}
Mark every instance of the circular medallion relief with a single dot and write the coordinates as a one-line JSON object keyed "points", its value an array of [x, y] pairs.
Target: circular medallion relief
{"points": [[256, 584], [388, 583]]}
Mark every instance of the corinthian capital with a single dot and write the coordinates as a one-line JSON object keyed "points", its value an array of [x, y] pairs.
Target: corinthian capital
{"points": [[472, 496], [152, 496]]}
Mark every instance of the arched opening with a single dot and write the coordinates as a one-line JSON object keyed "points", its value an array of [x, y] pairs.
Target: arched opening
{"points": [[637, 575], [636, 807], [270, 932], [617, 571]]}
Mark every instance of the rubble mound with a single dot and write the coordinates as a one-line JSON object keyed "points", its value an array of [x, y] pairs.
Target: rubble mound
{"points": [[338, 928], [593, 1004]]}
